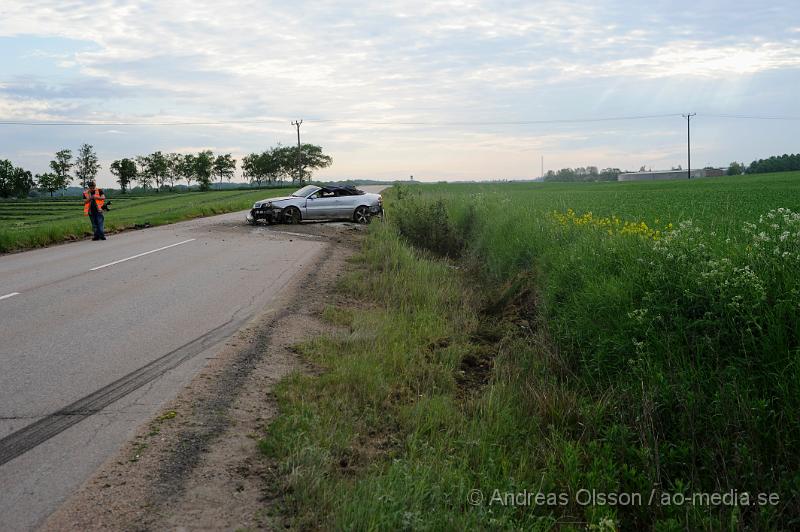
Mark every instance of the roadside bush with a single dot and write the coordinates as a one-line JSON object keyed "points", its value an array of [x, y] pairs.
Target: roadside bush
{"points": [[426, 224]]}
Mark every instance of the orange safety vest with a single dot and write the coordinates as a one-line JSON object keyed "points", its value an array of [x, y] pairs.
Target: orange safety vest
{"points": [[98, 198]]}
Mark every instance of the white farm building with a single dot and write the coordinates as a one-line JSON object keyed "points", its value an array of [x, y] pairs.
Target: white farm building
{"points": [[670, 174]]}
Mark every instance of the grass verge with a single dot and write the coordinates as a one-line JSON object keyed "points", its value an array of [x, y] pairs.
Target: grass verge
{"points": [[30, 224], [424, 399]]}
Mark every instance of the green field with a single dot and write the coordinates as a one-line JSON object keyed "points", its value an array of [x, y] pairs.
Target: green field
{"points": [[39, 222], [617, 338]]}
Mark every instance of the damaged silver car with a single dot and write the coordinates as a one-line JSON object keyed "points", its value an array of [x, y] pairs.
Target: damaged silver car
{"points": [[318, 203]]}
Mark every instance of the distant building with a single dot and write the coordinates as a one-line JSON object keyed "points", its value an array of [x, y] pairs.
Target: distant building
{"points": [[670, 174], [715, 172]]}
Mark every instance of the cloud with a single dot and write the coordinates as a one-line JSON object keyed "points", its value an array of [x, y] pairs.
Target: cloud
{"points": [[359, 64], [85, 88], [695, 59], [14, 109]]}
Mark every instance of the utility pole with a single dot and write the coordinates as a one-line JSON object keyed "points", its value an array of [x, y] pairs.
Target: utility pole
{"points": [[297, 160], [688, 118], [542, 167]]}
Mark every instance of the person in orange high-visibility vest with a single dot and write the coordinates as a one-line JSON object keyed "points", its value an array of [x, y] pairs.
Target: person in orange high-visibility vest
{"points": [[93, 201]]}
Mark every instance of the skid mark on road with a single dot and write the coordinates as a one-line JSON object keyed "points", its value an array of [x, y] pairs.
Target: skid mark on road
{"points": [[27, 438]]}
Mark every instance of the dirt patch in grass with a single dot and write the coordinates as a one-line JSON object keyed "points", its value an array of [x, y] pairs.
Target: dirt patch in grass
{"points": [[197, 465]]}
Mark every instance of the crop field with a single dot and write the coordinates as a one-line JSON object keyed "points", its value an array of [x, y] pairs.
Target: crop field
{"points": [[639, 340], [38, 222]]}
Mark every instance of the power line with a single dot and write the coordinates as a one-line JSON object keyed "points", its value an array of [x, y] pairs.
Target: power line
{"points": [[109, 124], [88, 123], [509, 122], [751, 117], [335, 121]]}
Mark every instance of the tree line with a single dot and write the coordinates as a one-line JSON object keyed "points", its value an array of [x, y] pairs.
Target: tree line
{"points": [[589, 173], [776, 163], [160, 170], [281, 162], [14, 181], [780, 163]]}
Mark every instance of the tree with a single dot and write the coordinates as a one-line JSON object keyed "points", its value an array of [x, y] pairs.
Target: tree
{"points": [[251, 170], [311, 158], [589, 173], [86, 164], [125, 172], [224, 166], [22, 183], [61, 166], [155, 166], [286, 162], [270, 163], [186, 168], [565, 174], [14, 181], [783, 163], [203, 166], [174, 162], [48, 182], [735, 169], [261, 167], [143, 175], [6, 177], [609, 174]]}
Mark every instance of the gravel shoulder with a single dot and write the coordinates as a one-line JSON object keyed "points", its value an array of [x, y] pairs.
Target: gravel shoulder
{"points": [[196, 466]]}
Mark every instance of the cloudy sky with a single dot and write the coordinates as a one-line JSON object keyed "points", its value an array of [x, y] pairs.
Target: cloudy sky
{"points": [[441, 90]]}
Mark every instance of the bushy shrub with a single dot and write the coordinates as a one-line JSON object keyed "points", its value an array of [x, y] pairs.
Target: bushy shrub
{"points": [[426, 224]]}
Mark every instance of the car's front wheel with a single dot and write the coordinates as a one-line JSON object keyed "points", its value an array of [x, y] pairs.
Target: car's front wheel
{"points": [[361, 215], [291, 215]]}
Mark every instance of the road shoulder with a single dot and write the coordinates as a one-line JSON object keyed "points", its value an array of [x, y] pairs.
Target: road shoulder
{"points": [[197, 464]]}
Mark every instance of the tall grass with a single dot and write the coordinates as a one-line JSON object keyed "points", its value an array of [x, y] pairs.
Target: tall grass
{"points": [[512, 347], [691, 333]]}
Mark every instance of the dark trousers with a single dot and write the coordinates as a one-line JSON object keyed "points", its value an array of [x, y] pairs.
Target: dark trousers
{"points": [[97, 224]]}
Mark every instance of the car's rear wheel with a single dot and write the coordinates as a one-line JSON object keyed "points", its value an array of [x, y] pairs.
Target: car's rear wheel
{"points": [[361, 215], [291, 215]]}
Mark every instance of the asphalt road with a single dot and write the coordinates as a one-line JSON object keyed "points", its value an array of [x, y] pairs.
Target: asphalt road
{"points": [[96, 336]]}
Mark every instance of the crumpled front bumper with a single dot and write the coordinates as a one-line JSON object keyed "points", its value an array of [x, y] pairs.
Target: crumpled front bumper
{"points": [[265, 214]]}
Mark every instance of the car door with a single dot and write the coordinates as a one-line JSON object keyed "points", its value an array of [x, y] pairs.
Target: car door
{"points": [[346, 205], [321, 205]]}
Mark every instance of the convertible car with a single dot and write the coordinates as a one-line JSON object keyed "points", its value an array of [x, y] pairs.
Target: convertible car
{"points": [[318, 203]]}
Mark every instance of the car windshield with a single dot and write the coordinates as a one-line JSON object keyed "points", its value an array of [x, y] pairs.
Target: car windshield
{"points": [[305, 191]]}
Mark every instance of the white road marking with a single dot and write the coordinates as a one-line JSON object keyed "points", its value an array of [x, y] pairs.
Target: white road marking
{"points": [[139, 255], [12, 294]]}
